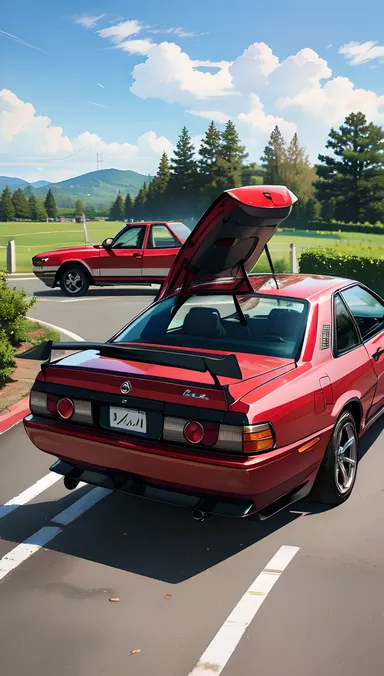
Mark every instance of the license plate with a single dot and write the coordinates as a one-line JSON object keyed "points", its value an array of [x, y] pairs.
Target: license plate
{"points": [[128, 419]]}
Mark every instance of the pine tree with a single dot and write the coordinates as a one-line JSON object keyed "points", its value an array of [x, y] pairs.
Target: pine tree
{"points": [[41, 213], [163, 174], [20, 205], [7, 210], [354, 174], [140, 203], [79, 208], [50, 204], [298, 175], [128, 207], [209, 169], [116, 212], [274, 158], [231, 158], [32, 206], [184, 176]]}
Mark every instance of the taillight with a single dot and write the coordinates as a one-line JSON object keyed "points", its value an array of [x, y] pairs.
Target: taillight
{"points": [[257, 438], [65, 408], [249, 440], [193, 432], [75, 410]]}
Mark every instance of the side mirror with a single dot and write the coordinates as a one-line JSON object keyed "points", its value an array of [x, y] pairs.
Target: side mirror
{"points": [[107, 243]]}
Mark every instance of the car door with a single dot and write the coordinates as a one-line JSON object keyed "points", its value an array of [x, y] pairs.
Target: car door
{"points": [[368, 311], [123, 260], [160, 252]]}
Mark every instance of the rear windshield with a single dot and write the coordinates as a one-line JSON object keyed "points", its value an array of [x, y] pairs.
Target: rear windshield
{"points": [[251, 323]]}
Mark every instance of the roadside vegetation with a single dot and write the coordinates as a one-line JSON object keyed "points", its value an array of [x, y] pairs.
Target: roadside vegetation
{"points": [[17, 333]]}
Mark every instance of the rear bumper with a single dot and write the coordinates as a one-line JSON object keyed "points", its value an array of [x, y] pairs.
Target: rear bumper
{"points": [[258, 481], [46, 276]]}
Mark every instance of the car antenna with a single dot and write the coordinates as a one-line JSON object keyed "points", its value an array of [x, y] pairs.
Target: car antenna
{"points": [[271, 265]]}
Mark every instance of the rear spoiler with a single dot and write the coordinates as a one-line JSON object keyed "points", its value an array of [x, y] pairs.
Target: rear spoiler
{"points": [[227, 366]]}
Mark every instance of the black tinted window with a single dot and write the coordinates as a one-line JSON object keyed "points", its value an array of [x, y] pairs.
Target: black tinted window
{"points": [[366, 309], [253, 324], [345, 330]]}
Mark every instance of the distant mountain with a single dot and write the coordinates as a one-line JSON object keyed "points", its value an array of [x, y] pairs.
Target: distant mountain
{"points": [[95, 188], [12, 183], [40, 184]]}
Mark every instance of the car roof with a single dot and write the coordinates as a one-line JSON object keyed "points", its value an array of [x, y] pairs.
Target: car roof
{"points": [[309, 287]]}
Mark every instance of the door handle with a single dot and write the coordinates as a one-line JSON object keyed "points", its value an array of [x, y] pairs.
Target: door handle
{"points": [[137, 255], [376, 355]]}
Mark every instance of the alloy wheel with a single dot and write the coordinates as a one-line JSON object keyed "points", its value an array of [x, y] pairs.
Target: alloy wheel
{"points": [[346, 458]]}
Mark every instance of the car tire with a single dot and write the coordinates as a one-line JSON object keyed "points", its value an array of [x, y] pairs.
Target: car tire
{"points": [[74, 281], [337, 474]]}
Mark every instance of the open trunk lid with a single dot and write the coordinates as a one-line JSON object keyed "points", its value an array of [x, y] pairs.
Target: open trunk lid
{"points": [[230, 237]]}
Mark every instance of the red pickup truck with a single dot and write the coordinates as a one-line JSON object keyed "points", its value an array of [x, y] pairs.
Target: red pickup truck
{"points": [[140, 252]]}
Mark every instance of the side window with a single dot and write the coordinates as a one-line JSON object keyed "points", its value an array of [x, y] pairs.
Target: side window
{"points": [[346, 336], [366, 309], [161, 238], [131, 238]]}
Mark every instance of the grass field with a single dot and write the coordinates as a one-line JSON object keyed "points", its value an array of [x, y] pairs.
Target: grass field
{"points": [[34, 238]]}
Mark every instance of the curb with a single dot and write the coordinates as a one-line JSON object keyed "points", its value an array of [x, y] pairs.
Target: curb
{"points": [[14, 415]]}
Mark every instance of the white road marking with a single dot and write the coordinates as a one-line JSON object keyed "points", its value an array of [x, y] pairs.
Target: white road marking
{"points": [[39, 539], [80, 506], [227, 638], [70, 334], [23, 551], [30, 493]]}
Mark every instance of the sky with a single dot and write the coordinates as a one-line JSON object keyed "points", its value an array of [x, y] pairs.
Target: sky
{"points": [[120, 79]]}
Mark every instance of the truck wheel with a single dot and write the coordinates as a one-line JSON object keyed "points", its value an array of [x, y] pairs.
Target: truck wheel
{"points": [[74, 281], [337, 474]]}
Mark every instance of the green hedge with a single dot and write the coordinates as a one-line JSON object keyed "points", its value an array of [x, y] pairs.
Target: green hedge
{"points": [[331, 261], [333, 226]]}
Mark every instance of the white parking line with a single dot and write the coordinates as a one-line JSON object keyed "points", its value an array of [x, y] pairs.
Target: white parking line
{"points": [[29, 494], [39, 539], [23, 551], [80, 506], [228, 637]]}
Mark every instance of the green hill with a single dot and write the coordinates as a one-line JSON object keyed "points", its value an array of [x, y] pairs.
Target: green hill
{"points": [[96, 188], [12, 183]]}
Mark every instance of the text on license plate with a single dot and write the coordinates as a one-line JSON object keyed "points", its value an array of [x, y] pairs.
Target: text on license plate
{"points": [[128, 419]]}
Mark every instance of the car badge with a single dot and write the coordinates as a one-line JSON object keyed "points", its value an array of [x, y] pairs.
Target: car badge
{"points": [[125, 387], [189, 393]]}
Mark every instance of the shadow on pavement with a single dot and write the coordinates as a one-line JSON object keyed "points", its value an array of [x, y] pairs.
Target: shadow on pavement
{"points": [[150, 539], [104, 291]]}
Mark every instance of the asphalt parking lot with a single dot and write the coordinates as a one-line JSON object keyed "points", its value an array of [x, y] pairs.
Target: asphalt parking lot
{"points": [[300, 594]]}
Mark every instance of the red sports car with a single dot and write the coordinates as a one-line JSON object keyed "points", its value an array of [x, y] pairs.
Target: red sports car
{"points": [[140, 252], [232, 394]]}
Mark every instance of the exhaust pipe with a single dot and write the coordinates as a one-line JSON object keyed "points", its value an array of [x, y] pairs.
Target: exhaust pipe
{"points": [[70, 483], [199, 515]]}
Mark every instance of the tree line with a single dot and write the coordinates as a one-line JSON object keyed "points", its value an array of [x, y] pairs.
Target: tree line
{"points": [[18, 206], [346, 185]]}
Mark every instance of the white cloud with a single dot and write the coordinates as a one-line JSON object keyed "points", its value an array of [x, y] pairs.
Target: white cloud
{"points": [[251, 70], [357, 53], [100, 85], [215, 115], [255, 127], [88, 21], [121, 31], [28, 141], [98, 105], [19, 41], [170, 74], [136, 46], [179, 31]]}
